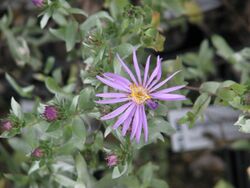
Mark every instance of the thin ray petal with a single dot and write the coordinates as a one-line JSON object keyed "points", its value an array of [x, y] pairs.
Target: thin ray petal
{"points": [[155, 72], [136, 66], [112, 84], [123, 117], [168, 90], [127, 122], [116, 112], [169, 97], [112, 95], [139, 128], [135, 122], [116, 77], [112, 101], [163, 82], [146, 71], [158, 76], [145, 124], [125, 67]]}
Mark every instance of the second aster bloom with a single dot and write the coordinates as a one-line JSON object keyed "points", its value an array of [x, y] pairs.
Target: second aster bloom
{"points": [[136, 92], [50, 113]]}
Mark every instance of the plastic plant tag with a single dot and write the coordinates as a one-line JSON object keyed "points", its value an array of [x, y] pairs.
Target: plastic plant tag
{"points": [[217, 124]]}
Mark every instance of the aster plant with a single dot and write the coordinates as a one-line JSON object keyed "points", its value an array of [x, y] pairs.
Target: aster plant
{"points": [[135, 92], [62, 144]]}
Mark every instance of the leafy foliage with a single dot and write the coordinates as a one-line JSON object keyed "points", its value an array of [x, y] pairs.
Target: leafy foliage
{"points": [[74, 145]]}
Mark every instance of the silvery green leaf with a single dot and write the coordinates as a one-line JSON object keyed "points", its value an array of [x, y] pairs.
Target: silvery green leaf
{"points": [[16, 108]]}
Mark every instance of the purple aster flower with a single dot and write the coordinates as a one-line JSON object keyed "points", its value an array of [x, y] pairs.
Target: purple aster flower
{"points": [[136, 92], [38, 3], [50, 113], [6, 125], [111, 160], [38, 153]]}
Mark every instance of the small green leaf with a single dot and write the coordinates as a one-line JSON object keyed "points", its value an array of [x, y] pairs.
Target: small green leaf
{"points": [[53, 87], [201, 103], [54, 126], [223, 49], [124, 50], [82, 171], [24, 92], [210, 87], [79, 129], [146, 173], [74, 103], [70, 35], [92, 20], [86, 101], [49, 65], [16, 108], [45, 19], [59, 33], [77, 11], [64, 181]]}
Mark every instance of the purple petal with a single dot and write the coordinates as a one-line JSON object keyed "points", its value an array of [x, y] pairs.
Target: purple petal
{"points": [[169, 97], [127, 122], [146, 71], [112, 95], [168, 90], [112, 84], [137, 69], [112, 101], [158, 76], [116, 112], [139, 129], [156, 73], [124, 116], [144, 124], [159, 70], [163, 82], [136, 122], [118, 78], [125, 67]]}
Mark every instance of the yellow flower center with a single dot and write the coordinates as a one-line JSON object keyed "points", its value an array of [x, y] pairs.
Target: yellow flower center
{"points": [[138, 94]]}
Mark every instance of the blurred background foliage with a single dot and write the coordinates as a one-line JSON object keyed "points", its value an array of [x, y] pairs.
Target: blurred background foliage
{"points": [[51, 55]]}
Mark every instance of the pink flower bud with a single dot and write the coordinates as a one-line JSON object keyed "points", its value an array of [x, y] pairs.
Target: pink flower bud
{"points": [[38, 153], [50, 113], [38, 3], [6, 126], [112, 160]]}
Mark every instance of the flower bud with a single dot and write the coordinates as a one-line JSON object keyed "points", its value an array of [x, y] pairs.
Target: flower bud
{"points": [[152, 104], [6, 126], [37, 153], [112, 160], [50, 113], [38, 3]]}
